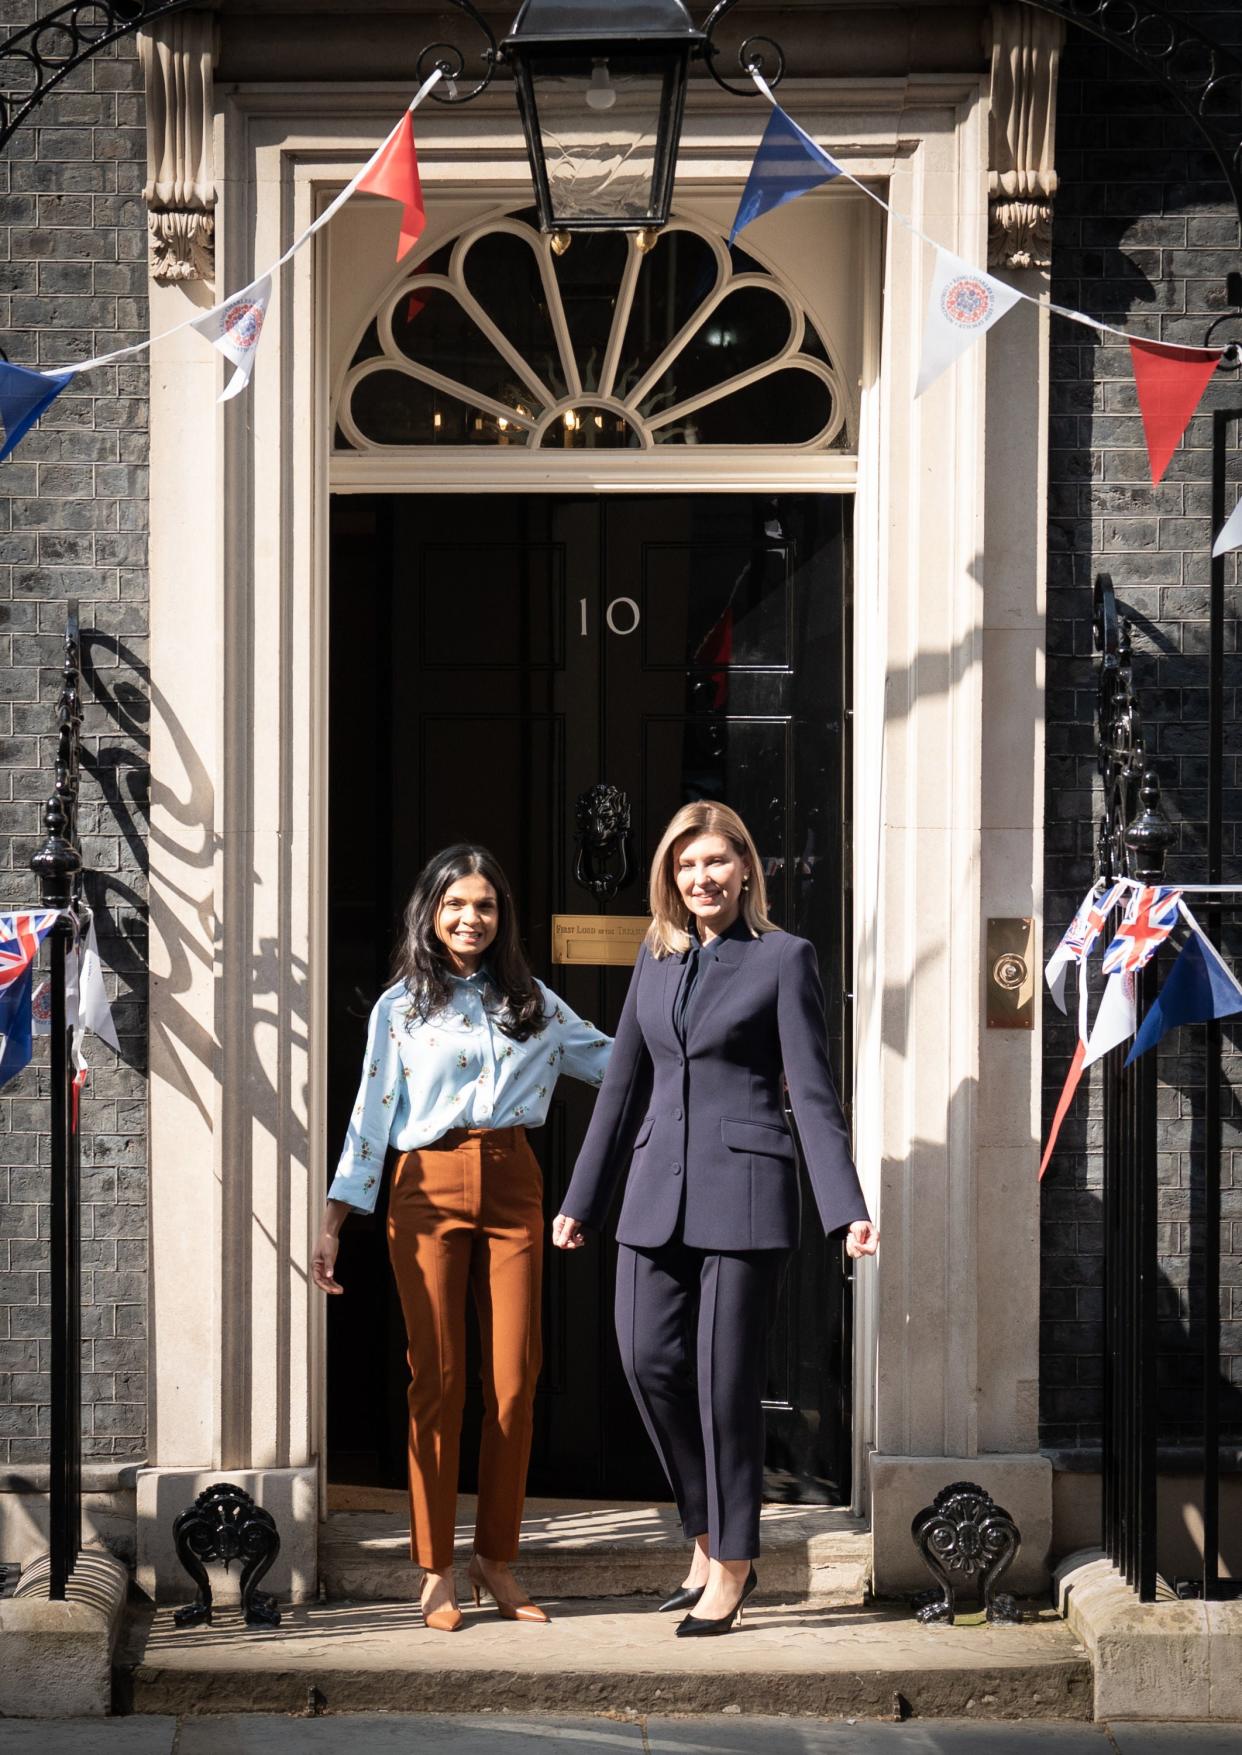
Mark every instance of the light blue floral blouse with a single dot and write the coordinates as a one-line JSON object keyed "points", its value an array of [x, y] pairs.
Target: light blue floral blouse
{"points": [[457, 1070]]}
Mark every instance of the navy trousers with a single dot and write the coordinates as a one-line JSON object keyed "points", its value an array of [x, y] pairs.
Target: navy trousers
{"points": [[693, 1329]]}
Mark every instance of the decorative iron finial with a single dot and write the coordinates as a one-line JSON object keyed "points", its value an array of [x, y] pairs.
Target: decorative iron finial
{"points": [[1149, 837]]}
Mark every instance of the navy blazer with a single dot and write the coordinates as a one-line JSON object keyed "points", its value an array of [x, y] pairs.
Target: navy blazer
{"points": [[702, 1127]]}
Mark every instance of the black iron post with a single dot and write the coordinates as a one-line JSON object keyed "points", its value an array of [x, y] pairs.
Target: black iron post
{"points": [[58, 865], [1224, 428], [1147, 839]]}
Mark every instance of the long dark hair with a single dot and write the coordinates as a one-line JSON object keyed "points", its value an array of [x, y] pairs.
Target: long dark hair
{"points": [[423, 964]]}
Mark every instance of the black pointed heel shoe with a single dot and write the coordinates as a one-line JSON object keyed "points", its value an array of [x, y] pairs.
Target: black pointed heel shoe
{"points": [[693, 1628], [684, 1597]]}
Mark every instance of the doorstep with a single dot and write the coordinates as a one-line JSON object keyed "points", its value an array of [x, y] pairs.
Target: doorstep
{"points": [[597, 1657], [581, 1548]]}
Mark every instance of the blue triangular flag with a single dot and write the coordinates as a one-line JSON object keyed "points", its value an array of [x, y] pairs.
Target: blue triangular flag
{"points": [[1199, 986], [23, 397], [787, 164], [16, 1025]]}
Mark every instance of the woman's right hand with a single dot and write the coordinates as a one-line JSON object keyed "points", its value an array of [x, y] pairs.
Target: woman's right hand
{"points": [[567, 1233], [323, 1261]]}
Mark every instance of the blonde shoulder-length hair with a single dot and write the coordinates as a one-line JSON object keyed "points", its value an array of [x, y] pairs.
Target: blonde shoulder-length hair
{"points": [[669, 933]]}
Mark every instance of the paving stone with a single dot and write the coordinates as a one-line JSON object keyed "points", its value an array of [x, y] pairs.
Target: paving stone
{"points": [[784, 1658], [1177, 1739], [91, 1736], [704, 1736], [397, 1734]]}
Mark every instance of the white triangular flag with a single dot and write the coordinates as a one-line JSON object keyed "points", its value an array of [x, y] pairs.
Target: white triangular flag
{"points": [[41, 1010], [235, 328], [963, 304], [1231, 533], [1116, 1020], [94, 1010]]}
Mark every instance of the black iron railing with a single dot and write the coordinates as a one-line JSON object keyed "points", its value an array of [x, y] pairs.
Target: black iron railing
{"points": [[1135, 836], [58, 865]]}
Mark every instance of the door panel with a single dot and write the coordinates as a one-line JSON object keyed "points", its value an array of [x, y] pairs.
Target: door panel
{"points": [[675, 647]]}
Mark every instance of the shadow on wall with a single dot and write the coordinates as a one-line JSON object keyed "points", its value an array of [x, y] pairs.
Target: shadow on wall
{"points": [[183, 1036]]}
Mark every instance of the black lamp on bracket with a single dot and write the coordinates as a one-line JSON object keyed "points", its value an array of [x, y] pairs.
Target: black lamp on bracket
{"points": [[601, 90]]}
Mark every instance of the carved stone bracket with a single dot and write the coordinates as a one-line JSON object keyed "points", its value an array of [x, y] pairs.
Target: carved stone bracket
{"points": [[178, 57], [1026, 54]]}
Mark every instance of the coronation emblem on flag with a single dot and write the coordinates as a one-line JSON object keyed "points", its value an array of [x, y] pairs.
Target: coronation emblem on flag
{"points": [[242, 322], [967, 302]]}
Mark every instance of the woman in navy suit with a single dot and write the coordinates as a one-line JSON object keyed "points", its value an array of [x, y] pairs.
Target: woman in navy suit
{"points": [[721, 1005]]}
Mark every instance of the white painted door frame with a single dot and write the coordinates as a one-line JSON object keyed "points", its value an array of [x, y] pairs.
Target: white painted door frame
{"points": [[239, 664]]}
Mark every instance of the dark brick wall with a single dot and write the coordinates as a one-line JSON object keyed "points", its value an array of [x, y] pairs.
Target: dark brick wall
{"points": [[73, 521], [1145, 233]]}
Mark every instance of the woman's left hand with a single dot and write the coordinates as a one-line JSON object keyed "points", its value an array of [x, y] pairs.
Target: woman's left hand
{"points": [[862, 1238]]}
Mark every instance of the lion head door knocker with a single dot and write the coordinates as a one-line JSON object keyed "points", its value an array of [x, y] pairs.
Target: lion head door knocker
{"points": [[603, 865], [967, 1541], [225, 1524]]}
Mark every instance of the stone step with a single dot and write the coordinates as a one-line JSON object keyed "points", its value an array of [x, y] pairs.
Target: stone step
{"points": [[597, 1658], [584, 1548]]}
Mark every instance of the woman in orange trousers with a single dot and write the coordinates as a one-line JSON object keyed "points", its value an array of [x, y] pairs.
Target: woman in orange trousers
{"points": [[463, 1053]]}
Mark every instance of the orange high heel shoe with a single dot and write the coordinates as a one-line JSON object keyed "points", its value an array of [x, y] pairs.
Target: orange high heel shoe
{"points": [[445, 1620], [507, 1611]]}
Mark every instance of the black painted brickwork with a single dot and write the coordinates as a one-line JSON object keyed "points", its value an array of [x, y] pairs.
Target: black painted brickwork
{"points": [[73, 522], [1145, 233]]}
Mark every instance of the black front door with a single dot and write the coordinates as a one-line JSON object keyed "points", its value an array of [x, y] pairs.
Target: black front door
{"points": [[493, 658]]}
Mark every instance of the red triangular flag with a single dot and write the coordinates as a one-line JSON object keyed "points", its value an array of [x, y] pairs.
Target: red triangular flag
{"points": [[1067, 1097], [393, 173], [1170, 382]]}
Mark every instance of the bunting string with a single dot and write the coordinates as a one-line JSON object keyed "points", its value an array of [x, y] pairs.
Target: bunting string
{"points": [[1199, 987], [964, 302], [1043, 304], [234, 326]]}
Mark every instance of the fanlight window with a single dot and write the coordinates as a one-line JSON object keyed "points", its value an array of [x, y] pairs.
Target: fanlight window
{"points": [[497, 340]]}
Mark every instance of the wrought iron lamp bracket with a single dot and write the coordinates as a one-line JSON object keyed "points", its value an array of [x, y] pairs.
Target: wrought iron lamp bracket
{"points": [[1200, 74], [757, 54], [451, 63], [35, 59]]}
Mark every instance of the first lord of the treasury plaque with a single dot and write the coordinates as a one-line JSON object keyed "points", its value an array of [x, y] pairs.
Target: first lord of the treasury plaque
{"points": [[598, 938]]}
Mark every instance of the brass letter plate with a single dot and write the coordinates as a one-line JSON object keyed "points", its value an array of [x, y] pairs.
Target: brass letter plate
{"points": [[598, 938], [1009, 973]]}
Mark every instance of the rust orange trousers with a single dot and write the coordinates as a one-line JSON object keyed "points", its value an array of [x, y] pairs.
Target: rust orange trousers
{"points": [[465, 1216]]}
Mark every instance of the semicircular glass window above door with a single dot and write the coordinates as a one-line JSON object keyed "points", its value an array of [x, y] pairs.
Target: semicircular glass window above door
{"points": [[496, 339]]}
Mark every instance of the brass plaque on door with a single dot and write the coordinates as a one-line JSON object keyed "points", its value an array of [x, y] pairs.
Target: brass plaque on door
{"points": [[1009, 972], [613, 939]]}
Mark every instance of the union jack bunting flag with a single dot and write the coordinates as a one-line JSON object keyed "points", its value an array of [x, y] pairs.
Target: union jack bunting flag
{"points": [[20, 938], [1150, 917], [1079, 936], [1088, 923]]}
